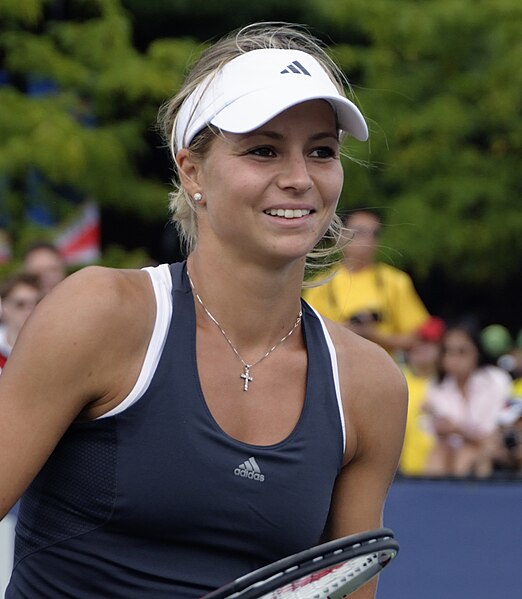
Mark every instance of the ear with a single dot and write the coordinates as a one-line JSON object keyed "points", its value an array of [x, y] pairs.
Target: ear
{"points": [[188, 171]]}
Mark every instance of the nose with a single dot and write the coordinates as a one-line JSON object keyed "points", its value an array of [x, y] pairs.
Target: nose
{"points": [[295, 174]]}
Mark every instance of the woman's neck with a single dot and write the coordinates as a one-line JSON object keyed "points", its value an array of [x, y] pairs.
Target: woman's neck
{"points": [[249, 301]]}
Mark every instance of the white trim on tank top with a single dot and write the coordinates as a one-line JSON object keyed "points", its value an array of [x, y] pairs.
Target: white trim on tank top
{"points": [[162, 284], [335, 372]]}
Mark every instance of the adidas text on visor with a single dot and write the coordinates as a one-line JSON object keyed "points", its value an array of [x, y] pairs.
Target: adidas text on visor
{"points": [[255, 87]]}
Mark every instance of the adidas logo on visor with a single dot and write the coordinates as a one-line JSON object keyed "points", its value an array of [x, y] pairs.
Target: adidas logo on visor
{"points": [[297, 68], [250, 469]]}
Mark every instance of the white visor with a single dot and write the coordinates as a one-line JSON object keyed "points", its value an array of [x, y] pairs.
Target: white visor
{"points": [[255, 87]]}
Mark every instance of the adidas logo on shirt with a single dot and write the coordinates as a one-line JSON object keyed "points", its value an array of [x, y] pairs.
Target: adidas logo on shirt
{"points": [[250, 469], [297, 68]]}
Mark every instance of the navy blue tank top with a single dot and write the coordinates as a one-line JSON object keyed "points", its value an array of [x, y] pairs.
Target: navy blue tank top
{"points": [[157, 501]]}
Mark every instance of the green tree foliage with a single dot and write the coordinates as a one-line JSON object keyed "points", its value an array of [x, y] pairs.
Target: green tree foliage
{"points": [[440, 83], [100, 79]]}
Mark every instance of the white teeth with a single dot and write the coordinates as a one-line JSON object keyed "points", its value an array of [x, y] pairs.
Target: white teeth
{"points": [[287, 213]]}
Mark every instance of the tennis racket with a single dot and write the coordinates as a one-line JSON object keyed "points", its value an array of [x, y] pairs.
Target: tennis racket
{"points": [[332, 570]]}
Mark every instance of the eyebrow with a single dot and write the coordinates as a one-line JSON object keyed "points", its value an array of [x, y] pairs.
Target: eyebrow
{"points": [[278, 136]]}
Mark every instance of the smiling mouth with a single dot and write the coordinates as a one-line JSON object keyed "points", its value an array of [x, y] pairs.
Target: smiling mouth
{"points": [[287, 213]]}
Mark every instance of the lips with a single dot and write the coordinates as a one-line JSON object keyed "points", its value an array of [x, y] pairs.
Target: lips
{"points": [[287, 213]]}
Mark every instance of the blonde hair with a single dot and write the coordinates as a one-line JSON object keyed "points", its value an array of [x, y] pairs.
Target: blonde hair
{"points": [[253, 37]]}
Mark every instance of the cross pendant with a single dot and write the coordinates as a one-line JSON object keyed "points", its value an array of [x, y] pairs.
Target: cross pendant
{"points": [[247, 378]]}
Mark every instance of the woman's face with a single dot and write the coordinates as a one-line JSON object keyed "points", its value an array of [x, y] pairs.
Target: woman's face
{"points": [[272, 192], [459, 355]]}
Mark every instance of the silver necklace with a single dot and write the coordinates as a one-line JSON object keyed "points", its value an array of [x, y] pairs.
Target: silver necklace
{"points": [[246, 376]]}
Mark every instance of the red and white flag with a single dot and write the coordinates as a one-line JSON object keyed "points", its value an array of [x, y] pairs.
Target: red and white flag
{"points": [[80, 241]]}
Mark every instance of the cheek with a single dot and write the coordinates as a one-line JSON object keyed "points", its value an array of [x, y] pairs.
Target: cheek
{"points": [[334, 183], [230, 184]]}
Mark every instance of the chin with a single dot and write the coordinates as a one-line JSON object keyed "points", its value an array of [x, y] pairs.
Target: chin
{"points": [[291, 255]]}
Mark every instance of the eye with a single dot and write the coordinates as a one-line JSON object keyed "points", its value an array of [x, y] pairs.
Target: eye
{"points": [[324, 152], [262, 151]]}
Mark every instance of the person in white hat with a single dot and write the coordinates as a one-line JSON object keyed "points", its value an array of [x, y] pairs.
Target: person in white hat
{"points": [[188, 423]]}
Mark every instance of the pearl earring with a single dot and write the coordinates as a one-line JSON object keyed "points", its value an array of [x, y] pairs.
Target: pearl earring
{"points": [[197, 197]]}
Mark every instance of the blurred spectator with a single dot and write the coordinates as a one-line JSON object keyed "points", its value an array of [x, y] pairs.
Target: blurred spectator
{"points": [[19, 295], [464, 404], [511, 360], [44, 260], [508, 456], [516, 366], [421, 366], [374, 299]]}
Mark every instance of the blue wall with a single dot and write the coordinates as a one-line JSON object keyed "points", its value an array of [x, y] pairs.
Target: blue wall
{"points": [[458, 540]]}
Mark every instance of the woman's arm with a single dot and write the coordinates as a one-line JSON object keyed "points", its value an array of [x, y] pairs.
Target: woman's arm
{"points": [[375, 403], [65, 364]]}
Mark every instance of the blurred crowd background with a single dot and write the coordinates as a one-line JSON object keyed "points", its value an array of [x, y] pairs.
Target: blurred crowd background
{"points": [[84, 178]]}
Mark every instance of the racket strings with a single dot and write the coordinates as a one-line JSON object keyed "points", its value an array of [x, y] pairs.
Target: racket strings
{"points": [[328, 583]]}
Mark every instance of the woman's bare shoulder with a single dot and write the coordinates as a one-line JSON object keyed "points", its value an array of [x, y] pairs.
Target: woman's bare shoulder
{"points": [[96, 294], [101, 284], [97, 316], [365, 365], [373, 387]]}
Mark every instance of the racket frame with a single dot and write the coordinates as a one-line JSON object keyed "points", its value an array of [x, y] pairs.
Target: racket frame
{"points": [[289, 569]]}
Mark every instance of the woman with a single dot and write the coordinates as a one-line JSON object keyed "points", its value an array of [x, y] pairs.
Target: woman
{"points": [[464, 405], [194, 421]]}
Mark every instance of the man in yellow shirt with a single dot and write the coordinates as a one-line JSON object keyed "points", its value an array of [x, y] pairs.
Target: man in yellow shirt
{"points": [[374, 299]]}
